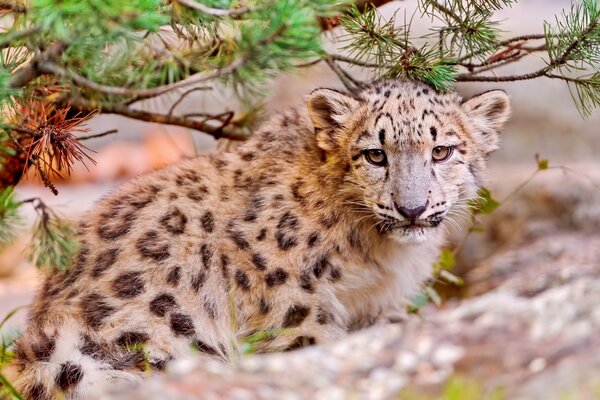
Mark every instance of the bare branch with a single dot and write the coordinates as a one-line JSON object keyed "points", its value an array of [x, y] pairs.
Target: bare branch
{"points": [[348, 81], [184, 95], [349, 60], [217, 132], [504, 43], [507, 78], [98, 135]]}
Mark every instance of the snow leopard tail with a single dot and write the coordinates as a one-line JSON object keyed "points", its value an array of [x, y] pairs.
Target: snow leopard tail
{"points": [[63, 360]]}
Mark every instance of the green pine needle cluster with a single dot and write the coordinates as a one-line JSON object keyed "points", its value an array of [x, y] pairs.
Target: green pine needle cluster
{"points": [[100, 20], [573, 44], [54, 242], [280, 34], [467, 25], [10, 219], [371, 38]]}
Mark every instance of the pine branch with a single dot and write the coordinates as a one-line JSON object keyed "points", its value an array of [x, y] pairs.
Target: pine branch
{"points": [[139, 94], [446, 11], [10, 219], [218, 132], [562, 60], [54, 242]]}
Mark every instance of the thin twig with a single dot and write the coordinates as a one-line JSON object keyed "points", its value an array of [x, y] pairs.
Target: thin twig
{"points": [[353, 61], [504, 43], [448, 12], [506, 78], [350, 83], [309, 63], [184, 95], [215, 12], [98, 135], [14, 36]]}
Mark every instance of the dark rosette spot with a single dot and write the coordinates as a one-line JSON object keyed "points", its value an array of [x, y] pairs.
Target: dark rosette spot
{"points": [[259, 262], [202, 347], [276, 277], [301, 341], [151, 245], [286, 228], [128, 285], [208, 222], [211, 309], [319, 266], [174, 276], [182, 325], [312, 239], [174, 221], [295, 315], [198, 280], [104, 261], [95, 310], [242, 280], [206, 252], [237, 237], [162, 304], [68, 376], [262, 235], [43, 348], [132, 338]]}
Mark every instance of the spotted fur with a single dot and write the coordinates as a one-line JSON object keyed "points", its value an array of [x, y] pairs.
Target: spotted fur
{"points": [[296, 232]]}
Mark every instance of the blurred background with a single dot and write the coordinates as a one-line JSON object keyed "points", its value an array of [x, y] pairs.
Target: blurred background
{"points": [[545, 238]]}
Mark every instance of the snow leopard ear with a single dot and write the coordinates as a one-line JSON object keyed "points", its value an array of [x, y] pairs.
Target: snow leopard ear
{"points": [[488, 112], [329, 108]]}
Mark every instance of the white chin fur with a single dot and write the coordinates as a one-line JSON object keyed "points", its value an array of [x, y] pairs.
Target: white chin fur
{"points": [[410, 236]]}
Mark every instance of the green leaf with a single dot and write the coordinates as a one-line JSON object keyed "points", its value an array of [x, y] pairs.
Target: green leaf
{"points": [[248, 346], [477, 229], [433, 295], [417, 302], [542, 164], [484, 203], [10, 388], [450, 277], [446, 261]]}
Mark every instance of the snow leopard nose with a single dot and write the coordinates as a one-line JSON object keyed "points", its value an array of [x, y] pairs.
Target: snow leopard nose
{"points": [[411, 213]]}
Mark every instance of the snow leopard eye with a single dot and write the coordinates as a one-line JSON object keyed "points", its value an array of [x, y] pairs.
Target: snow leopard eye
{"points": [[376, 157], [441, 153]]}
